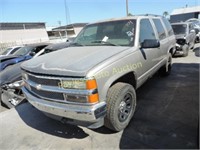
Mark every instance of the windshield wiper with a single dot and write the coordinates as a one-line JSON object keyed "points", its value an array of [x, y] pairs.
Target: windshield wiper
{"points": [[76, 44], [103, 43]]}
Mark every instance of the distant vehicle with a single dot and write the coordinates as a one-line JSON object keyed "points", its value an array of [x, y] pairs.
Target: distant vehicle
{"points": [[196, 24], [10, 78], [52, 47], [10, 50], [185, 37], [24, 53]]}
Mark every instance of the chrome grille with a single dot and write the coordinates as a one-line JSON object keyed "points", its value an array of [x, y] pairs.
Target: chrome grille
{"points": [[44, 81], [47, 94]]}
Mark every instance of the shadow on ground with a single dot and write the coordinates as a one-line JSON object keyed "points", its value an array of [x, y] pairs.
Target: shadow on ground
{"points": [[166, 116], [167, 112], [37, 120]]}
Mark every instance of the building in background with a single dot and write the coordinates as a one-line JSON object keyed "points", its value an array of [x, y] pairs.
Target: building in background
{"points": [[22, 33], [183, 14], [65, 32]]}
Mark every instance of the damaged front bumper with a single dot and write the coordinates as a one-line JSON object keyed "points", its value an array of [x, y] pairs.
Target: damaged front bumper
{"points": [[91, 116]]}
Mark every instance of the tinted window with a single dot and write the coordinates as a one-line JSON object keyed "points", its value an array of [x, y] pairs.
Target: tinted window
{"points": [[160, 29], [168, 26], [146, 30]]}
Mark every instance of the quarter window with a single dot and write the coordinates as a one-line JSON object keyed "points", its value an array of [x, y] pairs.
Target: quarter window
{"points": [[168, 26], [160, 29], [146, 30]]}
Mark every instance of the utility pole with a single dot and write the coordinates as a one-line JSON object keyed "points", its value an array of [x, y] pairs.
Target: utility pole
{"points": [[66, 17], [126, 7]]}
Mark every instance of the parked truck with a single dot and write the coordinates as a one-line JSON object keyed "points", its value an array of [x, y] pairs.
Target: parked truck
{"points": [[93, 82]]}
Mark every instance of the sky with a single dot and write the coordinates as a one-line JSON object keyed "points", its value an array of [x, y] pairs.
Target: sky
{"points": [[53, 12]]}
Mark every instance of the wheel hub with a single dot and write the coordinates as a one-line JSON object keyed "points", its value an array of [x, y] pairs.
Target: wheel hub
{"points": [[125, 107]]}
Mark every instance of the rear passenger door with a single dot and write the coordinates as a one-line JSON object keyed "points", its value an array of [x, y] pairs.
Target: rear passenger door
{"points": [[162, 38]]}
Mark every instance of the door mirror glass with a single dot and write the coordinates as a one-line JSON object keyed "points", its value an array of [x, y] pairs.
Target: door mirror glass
{"points": [[149, 43]]}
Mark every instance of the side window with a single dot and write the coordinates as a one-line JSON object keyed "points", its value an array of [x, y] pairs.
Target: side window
{"points": [[168, 26], [160, 29], [146, 30], [14, 50]]}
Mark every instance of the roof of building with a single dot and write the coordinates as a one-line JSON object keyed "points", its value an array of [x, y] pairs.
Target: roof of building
{"points": [[186, 10]]}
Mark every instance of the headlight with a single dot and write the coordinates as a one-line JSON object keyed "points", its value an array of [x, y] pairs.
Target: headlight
{"points": [[82, 84], [94, 98]]}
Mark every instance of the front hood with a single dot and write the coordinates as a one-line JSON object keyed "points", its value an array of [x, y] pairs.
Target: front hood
{"points": [[4, 58], [72, 61], [180, 36]]}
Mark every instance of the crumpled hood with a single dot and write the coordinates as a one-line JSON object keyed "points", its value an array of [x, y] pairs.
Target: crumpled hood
{"points": [[180, 36], [72, 61]]}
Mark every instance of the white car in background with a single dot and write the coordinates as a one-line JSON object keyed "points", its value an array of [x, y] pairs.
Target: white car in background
{"points": [[196, 25], [10, 50]]}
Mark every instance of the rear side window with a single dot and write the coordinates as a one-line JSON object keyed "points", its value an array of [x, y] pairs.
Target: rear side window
{"points": [[146, 30], [160, 29], [168, 26]]}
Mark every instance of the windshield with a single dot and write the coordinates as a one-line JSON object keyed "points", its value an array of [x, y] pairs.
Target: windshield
{"points": [[113, 33], [6, 51], [23, 51], [179, 29]]}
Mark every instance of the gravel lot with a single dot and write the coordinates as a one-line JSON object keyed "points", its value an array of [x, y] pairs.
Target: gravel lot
{"points": [[166, 117]]}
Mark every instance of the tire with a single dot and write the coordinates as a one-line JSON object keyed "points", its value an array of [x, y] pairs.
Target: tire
{"points": [[185, 50], [121, 104], [166, 69]]}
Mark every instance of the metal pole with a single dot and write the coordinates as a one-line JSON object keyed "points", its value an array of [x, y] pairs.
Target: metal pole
{"points": [[66, 16], [126, 7]]}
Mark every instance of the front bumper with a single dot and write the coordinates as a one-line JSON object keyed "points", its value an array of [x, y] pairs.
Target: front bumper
{"points": [[179, 50], [82, 113]]}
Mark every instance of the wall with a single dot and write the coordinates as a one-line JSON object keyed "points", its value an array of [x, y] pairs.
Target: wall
{"points": [[20, 37]]}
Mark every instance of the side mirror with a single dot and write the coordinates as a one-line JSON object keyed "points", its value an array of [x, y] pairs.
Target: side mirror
{"points": [[32, 54], [149, 43]]}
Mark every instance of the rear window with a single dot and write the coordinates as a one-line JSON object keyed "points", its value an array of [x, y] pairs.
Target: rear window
{"points": [[168, 26], [160, 29]]}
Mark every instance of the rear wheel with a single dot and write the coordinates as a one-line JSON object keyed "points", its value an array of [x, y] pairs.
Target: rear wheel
{"points": [[121, 104]]}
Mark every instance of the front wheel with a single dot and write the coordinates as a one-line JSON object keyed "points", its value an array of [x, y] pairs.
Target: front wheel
{"points": [[121, 104]]}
